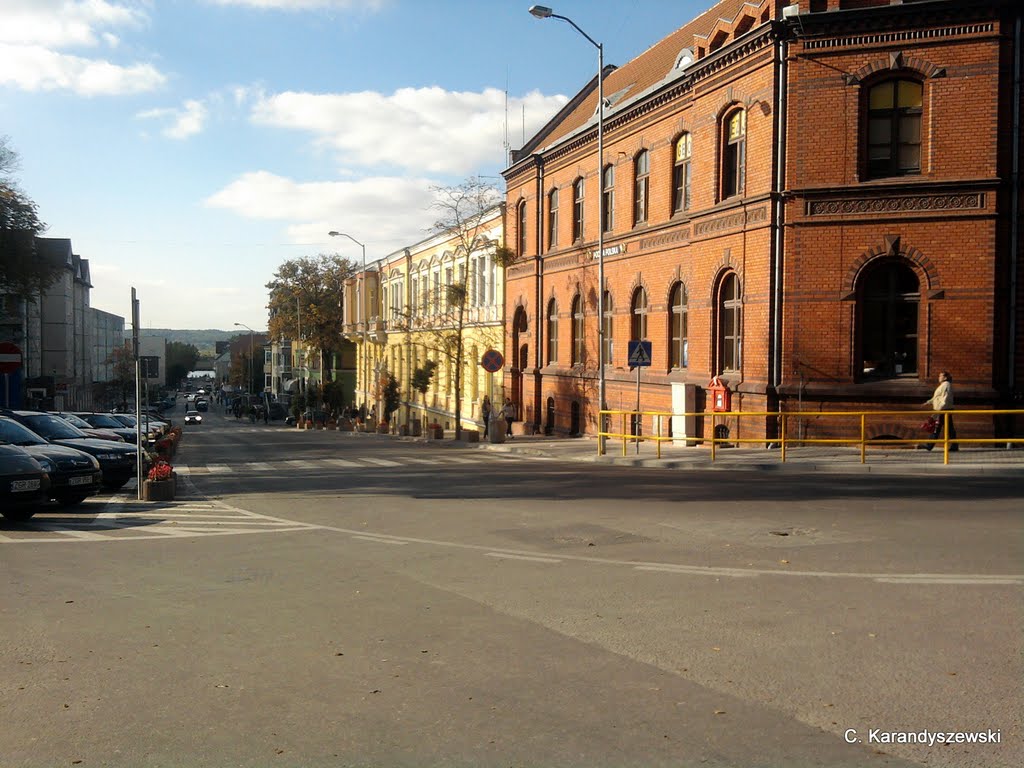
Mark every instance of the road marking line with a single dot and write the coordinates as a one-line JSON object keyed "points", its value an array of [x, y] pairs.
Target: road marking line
{"points": [[380, 462], [507, 556], [417, 461], [181, 469], [694, 571], [259, 465], [947, 580], [461, 460], [342, 463], [380, 541], [214, 468]]}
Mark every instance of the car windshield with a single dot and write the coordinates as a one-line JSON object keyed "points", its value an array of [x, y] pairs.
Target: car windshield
{"points": [[17, 434], [76, 421], [125, 419], [52, 427], [104, 421]]}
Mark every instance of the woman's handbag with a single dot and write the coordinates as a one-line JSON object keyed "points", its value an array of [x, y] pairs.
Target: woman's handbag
{"points": [[931, 424]]}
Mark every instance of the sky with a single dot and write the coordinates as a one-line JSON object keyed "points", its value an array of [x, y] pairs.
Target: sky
{"points": [[188, 148]]}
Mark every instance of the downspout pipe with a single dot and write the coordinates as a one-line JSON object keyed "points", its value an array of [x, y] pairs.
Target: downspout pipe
{"points": [[781, 105], [1015, 182]]}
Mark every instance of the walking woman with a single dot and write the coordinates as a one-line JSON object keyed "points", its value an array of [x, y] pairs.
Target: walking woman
{"points": [[942, 400]]}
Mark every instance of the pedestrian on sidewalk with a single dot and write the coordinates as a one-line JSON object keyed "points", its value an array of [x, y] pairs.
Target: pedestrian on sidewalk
{"points": [[942, 400], [509, 412], [485, 412]]}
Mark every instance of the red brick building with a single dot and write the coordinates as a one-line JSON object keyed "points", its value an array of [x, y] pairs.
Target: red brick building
{"points": [[817, 204]]}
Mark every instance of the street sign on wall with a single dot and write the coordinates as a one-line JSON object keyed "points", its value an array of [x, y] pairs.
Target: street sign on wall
{"points": [[10, 357]]}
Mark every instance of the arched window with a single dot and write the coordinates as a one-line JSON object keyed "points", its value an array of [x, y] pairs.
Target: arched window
{"points": [[521, 218], [606, 329], [681, 175], [894, 128], [552, 332], [734, 153], [638, 315], [553, 219], [679, 351], [578, 189], [641, 187], [577, 330], [889, 299], [608, 197], [730, 325]]}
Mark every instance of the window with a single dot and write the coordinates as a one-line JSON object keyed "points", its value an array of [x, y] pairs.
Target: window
{"points": [[608, 197], [552, 332], [734, 156], [889, 301], [894, 128], [522, 227], [606, 329], [578, 190], [730, 317], [641, 187], [553, 220], [679, 352], [577, 330], [638, 315], [681, 175]]}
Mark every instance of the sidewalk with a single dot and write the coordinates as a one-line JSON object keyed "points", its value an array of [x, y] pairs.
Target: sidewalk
{"points": [[968, 461]]}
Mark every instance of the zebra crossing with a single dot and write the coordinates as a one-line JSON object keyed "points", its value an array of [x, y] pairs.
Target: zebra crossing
{"points": [[361, 463]]}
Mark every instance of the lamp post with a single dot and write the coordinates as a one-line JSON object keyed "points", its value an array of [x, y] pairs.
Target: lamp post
{"points": [[248, 383], [543, 12], [360, 309]]}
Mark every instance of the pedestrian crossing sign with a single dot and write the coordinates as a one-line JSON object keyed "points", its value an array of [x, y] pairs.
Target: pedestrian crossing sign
{"points": [[639, 354]]}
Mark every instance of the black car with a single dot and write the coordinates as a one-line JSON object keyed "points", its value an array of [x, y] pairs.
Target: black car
{"points": [[117, 460], [106, 421], [74, 474], [23, 483]]}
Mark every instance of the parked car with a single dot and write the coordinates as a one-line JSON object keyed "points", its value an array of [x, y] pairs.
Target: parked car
{"points": [[157, 429], [107, 421], [117, 460], [74, 474], [23, 483], [78, 423], [193, 417]]}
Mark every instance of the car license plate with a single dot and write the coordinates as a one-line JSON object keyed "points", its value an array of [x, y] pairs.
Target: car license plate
{"points": [[25, 485], [83, 480]]}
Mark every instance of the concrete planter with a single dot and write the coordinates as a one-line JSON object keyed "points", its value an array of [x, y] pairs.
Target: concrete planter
{"points": [[435, 433], [382, 428], [496, 430], [471, 436], [158, 490]]}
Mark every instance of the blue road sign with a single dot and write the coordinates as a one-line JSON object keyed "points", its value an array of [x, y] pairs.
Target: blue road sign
{"points": [[639, 354]]}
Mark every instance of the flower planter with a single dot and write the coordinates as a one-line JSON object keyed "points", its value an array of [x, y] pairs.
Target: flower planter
{"points": [[382, 428], [415, 429], [403, 430], [435, 432], [158, 490], [471, 436]]}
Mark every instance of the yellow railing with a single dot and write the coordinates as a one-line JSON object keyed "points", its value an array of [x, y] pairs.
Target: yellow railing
{"points": [[659, 419]]}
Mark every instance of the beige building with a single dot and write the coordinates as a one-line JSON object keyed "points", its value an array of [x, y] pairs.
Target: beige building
{"points": [[404, 310]]}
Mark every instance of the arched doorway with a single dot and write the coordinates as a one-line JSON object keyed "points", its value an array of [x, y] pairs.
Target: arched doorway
{"points": [[549, 417], [520, 357]]}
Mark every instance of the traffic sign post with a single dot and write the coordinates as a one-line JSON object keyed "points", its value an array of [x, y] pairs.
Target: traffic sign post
{"points": [[10, 362], [639, 354], [492, 361]]}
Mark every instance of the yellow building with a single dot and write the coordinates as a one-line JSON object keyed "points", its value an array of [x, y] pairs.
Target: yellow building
{"points": [[415, 306]]}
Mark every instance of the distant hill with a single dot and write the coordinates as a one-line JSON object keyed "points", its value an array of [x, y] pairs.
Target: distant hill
{"points": [[203, 340]]}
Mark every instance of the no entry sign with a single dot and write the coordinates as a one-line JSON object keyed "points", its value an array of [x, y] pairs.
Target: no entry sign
{"points": [[10, 357], [492, 361]]}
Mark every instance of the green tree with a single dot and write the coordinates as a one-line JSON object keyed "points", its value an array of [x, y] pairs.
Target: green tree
{"points": [[123, 381], [392, 397], [181, 361], [306, 302], [21, 271]]}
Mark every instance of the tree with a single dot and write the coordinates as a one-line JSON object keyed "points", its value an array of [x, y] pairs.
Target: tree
{"points": [[306, 301], [21, 272], [421, 379], [123, 380], [462, 216], [392, 397], [181, 361]]}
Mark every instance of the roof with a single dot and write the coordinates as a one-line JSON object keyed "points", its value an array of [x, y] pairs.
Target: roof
{"points": [[652, 67]]}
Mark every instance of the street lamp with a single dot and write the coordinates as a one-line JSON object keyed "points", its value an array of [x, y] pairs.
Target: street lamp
{"points": [[360, 309], [543, 12], [248, 383]]}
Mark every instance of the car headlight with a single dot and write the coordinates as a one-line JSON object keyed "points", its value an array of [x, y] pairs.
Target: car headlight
{"points": [[106, 456], [48, 465]]}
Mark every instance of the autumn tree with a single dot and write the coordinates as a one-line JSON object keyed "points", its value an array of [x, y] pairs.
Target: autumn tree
{"points": [[21, 271], [306, 302], [462, 216]]}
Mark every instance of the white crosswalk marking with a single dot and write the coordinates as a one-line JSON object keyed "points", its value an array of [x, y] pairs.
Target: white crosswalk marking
{"points": [[381, 462], [219, 469], [342, 463], [259, 465]]}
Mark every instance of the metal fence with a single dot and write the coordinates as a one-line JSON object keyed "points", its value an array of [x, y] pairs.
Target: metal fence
{"points": [[855, 424]]}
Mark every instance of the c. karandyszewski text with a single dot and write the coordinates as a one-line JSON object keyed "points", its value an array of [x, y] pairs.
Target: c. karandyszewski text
{"points": [[930, 738]]}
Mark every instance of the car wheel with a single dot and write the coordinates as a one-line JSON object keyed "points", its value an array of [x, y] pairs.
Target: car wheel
{"points": [[72, 499], [18, 515]]}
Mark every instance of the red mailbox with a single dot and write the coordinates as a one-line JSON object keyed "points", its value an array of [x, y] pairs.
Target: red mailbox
{"points": [[720, 400]]}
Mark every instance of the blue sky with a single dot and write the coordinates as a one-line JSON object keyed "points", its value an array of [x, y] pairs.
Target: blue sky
{"points": [[189, 147]]}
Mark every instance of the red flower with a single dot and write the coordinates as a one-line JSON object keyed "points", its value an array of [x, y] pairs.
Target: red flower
{"points": [[161, 470]]}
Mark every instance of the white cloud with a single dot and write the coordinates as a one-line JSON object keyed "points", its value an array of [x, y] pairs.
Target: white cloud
{"points": [[421, 129], [64, 23], [184, 122], [305, 5], [35, 33], [387, 207], [33, 68]]}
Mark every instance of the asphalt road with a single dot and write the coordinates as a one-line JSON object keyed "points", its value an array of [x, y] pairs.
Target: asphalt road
{"points": [[325, 599]]}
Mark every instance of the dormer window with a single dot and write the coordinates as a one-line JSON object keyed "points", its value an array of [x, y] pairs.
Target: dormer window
{"points": [[684, 59]]}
